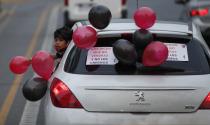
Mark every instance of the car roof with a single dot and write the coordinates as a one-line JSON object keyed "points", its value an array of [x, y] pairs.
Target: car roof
{"points": [[128, 24]]}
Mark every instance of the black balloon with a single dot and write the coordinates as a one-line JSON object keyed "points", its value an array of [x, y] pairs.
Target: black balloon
{"points": [[125, 51], [34, 89], [142, 38], [100, 16]]}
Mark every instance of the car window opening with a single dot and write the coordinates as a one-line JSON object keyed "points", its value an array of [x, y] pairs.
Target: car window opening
{"points": [[76, 61]]}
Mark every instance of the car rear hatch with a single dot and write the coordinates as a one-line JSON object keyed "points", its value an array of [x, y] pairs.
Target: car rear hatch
{"points": [[174, 86], [145, 93]]}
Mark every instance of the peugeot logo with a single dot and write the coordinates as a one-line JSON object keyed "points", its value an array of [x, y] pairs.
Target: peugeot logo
{"points": [[140, 96]]}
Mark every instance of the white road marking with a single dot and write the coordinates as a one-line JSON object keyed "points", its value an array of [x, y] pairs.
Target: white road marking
{"points": [[31, 110]]}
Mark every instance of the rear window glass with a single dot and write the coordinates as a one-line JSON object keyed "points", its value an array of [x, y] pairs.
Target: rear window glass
{"points": [[197, 61]]}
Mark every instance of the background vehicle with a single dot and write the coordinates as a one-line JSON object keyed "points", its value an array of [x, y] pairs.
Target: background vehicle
{"points": [[76, 10], [174, 93], [198, 11]]}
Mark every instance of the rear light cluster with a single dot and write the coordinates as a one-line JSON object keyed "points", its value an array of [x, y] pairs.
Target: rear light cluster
{"points": [[199, 12], [206, 103], [123, 2], [66, 2], [62, 96]]}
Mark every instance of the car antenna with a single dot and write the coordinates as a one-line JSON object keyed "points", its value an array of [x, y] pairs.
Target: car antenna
{"points": [[137, 5]]}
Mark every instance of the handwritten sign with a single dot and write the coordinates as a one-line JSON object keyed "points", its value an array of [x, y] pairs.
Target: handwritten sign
{"points": [[101, 56], [177, 52]]}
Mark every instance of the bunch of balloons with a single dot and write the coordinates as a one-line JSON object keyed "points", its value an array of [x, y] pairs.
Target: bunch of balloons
{"points": [[43, 64], [143, 49], [99, 17]]}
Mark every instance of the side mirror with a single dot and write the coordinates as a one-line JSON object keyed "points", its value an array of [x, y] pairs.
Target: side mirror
{"points": [[34, 89], [181, 1]]}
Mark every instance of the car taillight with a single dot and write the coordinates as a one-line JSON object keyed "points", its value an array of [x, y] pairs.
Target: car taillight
{"points": [[206, 103], [199, 12], [61, 95], [123, 2], [66, 2]]}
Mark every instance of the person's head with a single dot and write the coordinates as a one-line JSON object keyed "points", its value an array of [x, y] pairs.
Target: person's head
{"points": [[62, 38]]}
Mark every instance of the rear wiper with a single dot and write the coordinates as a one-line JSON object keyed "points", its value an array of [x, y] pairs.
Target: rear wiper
{"points": [[161, 69], [158, 69]]}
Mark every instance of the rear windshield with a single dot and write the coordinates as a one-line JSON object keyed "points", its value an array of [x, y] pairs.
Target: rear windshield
{"points": [[197, 60]]}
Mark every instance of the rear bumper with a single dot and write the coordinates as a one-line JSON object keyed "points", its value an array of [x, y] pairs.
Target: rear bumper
{"points": [[68, 116]]}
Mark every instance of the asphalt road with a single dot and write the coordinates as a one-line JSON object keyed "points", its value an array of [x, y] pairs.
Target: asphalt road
{"points": [[24, 26]]}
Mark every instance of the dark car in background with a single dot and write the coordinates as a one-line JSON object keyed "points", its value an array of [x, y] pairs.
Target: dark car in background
{"points": [[199, 12]]}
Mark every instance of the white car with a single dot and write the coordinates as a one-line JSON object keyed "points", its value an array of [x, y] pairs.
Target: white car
{"points": [[177, 92], [75, 10]]}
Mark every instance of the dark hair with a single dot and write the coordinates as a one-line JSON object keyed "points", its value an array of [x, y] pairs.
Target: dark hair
{"points": [[63, 33]]}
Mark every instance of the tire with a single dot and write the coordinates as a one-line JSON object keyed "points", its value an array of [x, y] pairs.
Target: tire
{"points": [[67, 21], [66, 17], [182, 1], [124, 14], [206, 36]]}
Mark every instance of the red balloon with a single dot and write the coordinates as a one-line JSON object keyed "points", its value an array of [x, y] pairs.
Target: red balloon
{"points": [[155, 54], [85, 37], [43, 64], [144, 17], [19, 64]]}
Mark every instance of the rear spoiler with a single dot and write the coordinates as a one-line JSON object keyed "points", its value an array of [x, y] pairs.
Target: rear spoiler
{"points": [[185, 33]]}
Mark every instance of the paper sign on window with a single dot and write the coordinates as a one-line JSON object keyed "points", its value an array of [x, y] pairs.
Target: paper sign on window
{"points": [[177, 52], [101, 56]]}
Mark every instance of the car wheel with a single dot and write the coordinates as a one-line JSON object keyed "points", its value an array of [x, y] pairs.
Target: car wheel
{"points": [[66, 17], [206, 36], [124, 14], [67, 21]]}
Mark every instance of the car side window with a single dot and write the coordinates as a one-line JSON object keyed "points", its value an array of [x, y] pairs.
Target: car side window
{"points": [[72, 57]]}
